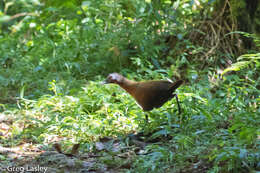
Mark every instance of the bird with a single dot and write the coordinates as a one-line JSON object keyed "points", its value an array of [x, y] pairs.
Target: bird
{"points": [[148, 94]]}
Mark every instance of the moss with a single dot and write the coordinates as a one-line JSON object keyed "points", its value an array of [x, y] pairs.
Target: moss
{"points": [[238, 7], [257, 20]]}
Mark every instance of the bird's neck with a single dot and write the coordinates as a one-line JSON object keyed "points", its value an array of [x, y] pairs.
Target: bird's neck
{"points": [[128, 85]]}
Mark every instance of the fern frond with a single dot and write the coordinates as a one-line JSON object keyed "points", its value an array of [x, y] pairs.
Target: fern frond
{"points": [[247, 60]]}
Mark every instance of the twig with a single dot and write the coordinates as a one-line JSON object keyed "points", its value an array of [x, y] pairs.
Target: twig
{"points": [[21, 15], [223, 10]]}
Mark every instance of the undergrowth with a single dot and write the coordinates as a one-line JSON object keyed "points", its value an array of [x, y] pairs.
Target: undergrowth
{"points": [[53, 61], [218, 129]]}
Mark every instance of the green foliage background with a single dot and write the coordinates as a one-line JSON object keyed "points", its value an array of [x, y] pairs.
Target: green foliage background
{"points": [[54, 55]]}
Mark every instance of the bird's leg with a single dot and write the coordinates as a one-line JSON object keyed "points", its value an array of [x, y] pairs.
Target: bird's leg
{"points": [[177, 100], [146, 118], [179, 107], [146, 128]]}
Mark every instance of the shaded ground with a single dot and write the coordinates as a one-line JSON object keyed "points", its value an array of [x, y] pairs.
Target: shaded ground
{"points": [[108, 155], [29, 157]]}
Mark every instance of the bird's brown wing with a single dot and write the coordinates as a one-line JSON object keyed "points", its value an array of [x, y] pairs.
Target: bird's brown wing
{"points": [[153, 94]]}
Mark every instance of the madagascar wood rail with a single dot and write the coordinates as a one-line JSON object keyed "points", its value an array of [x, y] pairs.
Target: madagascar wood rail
{"points": [[148, 94]]}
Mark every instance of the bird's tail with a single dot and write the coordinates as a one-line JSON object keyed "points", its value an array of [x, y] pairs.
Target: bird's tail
{"points": [[176, 85]]}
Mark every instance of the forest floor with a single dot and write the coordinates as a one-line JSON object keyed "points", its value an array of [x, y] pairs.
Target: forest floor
{"points": [[110, 155]]}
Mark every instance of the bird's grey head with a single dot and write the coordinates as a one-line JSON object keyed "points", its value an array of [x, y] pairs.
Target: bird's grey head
{"points": [[114, 78]]}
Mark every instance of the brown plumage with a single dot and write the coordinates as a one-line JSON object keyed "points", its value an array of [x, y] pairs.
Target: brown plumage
{"points": [[148, 94]]}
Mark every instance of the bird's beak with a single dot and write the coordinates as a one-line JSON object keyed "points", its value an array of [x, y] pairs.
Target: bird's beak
{"points": [[104, 82]]}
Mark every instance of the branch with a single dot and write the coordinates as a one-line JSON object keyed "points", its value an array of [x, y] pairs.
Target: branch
{"points": [[8, 18], [20, 15]]}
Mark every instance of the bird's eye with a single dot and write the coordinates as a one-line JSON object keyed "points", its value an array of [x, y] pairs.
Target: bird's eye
{"points": [[110, 78]]}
